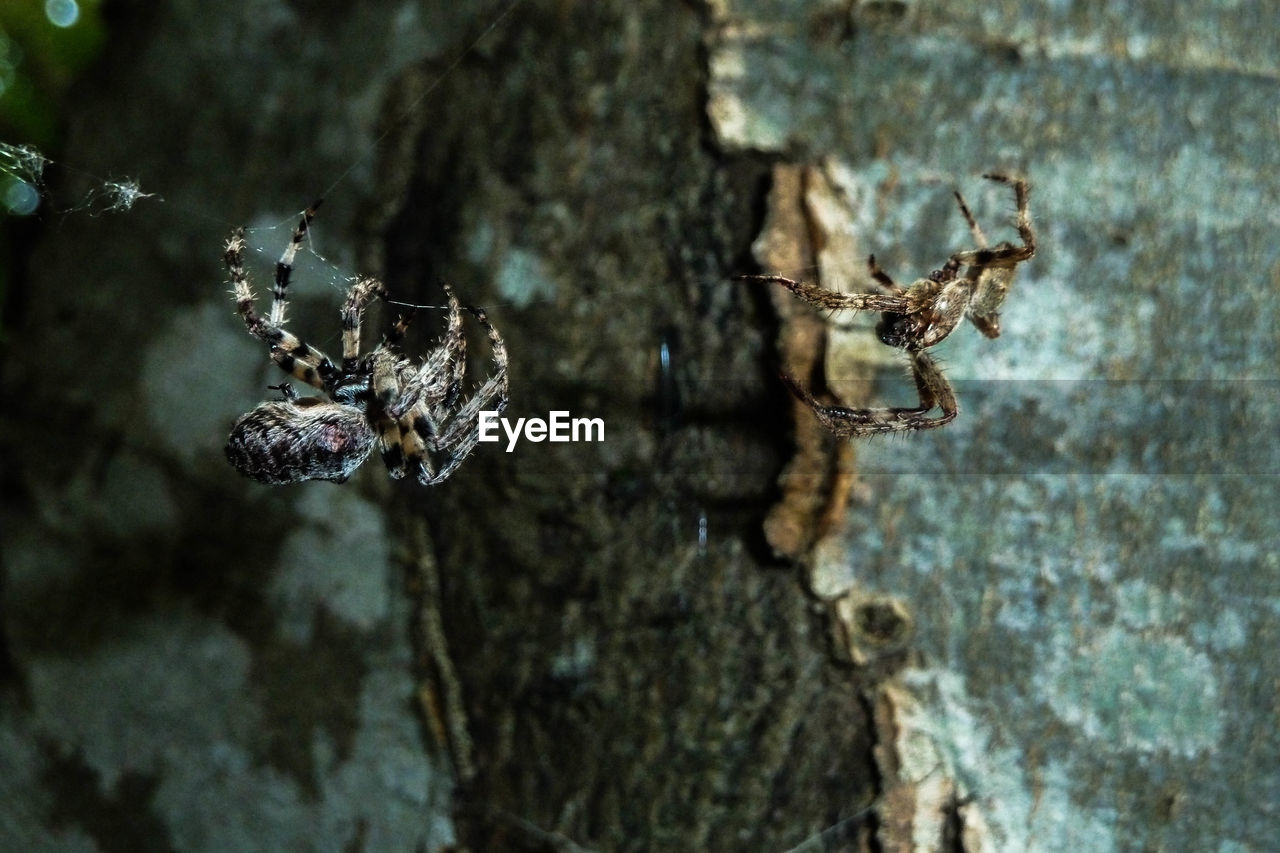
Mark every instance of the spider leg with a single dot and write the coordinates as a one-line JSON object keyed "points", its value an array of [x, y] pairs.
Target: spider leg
{"points": [[458, 441], [934, 390], [829, 299], [394, 398], [453, 350], [498, 386], [430, 394], [419, 425], [463, 431], [882, 278], [418, 428], [297, 358], [416, 435], [392, 395], [393, 389], [974, 228], [438, 378], [390, 446], [393, 338], [284, 266], [1021, 193], [293, 355], [1005, 254], [352, 311], [990, 270]]}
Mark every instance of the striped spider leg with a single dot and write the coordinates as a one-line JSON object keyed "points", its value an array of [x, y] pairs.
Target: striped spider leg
{"points": [[381, 399]]}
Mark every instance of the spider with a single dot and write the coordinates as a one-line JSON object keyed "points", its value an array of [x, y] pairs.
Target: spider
{"points": [[917, 317], [412, 412]]}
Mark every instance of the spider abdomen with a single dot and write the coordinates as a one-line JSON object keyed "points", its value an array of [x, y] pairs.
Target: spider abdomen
{"points": [[289, 441]]}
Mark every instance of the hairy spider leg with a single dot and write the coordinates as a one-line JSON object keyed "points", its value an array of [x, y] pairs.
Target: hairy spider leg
{"points": [[990, 270], [386, 387], [463, 432], [395, 391], [393, 338], [439, 377], [408, 420], [284, 266], [442, 373], [1005, 254], [974, 227], [427, 395], [456, 347], [934, 390], [352, 311], [1021, 194], [498, 386], [385, 369], [289, 352], [880, 277], [830, 299]]}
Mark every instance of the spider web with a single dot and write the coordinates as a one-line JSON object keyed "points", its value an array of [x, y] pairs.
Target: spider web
{"points": [[28, 190], [23, 188]]}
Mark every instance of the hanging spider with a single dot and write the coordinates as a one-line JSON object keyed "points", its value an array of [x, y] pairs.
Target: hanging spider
{"points": [[921, 315], [411, 411]]}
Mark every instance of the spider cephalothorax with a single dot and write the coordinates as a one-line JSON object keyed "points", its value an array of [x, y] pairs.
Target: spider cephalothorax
{"points": [[411, 411], [917, 317]]}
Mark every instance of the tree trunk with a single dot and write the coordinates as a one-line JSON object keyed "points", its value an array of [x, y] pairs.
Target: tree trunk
{"points": [[719, 627]]}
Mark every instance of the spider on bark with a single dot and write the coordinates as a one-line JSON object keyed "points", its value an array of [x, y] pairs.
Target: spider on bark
{"points": [[921, 315], [411, 411]]}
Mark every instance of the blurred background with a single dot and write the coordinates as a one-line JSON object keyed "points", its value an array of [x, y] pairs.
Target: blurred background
{"points": [[1046, 626]]}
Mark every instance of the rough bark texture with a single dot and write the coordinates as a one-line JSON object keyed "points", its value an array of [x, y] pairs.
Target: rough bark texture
{"points": [[627, 685], [1086, 552], [1037, 628]]}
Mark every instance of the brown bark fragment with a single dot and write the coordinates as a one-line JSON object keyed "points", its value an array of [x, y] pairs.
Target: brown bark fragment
{"points": [[817, 481]]}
